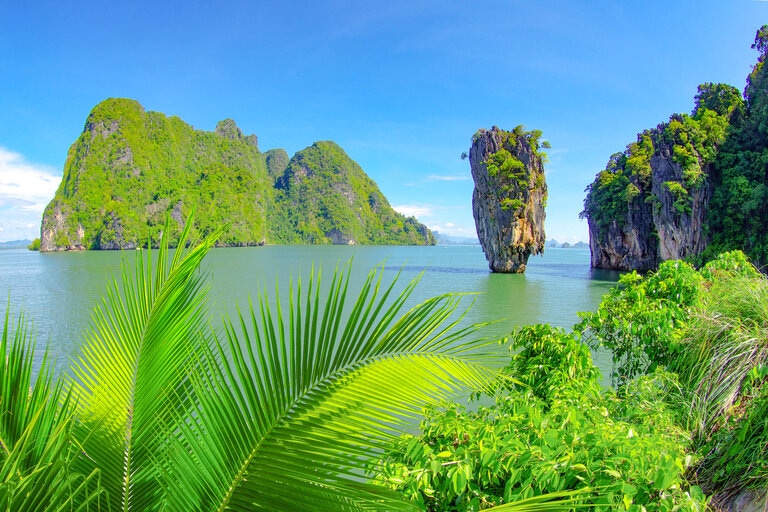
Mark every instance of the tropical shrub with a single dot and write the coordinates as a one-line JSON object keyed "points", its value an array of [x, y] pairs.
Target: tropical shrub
{"points": [[690, 404], [545, 435], [639, 320], [709, 328]]}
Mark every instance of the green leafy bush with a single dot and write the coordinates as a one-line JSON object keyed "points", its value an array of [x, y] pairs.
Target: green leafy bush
{"points": [[638, 321], [550, 430], [689, 414]]}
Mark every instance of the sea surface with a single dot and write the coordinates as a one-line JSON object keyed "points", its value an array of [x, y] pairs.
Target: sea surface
{"points": [[57, 292]]}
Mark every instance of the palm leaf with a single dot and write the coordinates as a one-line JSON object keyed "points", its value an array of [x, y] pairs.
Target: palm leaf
{"points": [[552, 502], [36, 444], [292, 411], [50, 484], [133, 362]]}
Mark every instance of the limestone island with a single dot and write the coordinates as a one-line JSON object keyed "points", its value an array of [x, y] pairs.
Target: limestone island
{"points": [[510, 195]]}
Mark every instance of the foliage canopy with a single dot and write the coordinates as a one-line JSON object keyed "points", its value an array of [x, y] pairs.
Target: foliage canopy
{"points": [[130, 168]]}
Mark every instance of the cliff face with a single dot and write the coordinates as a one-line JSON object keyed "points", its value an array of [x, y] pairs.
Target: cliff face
{"points": [[509, 196], [651, 202], [660, 213], [130, 168], [679, 220]]}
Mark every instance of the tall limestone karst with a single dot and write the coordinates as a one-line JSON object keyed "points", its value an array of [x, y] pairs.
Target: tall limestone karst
{"points": [[690, 188], [130, 168], [650, 204], [509, 197]]}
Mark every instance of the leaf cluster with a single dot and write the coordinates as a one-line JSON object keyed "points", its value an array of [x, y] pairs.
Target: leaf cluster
{"points": [[544, 435]]}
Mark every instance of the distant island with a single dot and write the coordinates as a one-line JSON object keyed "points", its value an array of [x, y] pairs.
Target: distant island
{"points": [[15, 244], [443, 239], [552, 243], [131, 168]]}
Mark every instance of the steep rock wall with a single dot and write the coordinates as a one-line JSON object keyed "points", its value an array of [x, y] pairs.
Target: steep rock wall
{"points": [[509, 196], [650, 203], [663, 218]]}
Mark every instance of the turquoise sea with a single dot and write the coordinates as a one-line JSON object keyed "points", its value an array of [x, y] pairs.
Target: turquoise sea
{"points": [[57, 292]]}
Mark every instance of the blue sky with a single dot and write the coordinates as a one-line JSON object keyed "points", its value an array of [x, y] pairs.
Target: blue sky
{"points": [[400, 85]]}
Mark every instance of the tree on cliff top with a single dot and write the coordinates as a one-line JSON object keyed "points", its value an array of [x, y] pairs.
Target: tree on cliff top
{"points": [[738, 214]]}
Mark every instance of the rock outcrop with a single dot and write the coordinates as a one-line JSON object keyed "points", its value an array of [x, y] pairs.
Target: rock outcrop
{"points": [[509, 196], [649, 205], [131, 168], [653, 201]]}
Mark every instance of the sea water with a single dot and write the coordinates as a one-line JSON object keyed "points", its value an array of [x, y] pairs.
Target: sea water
{"points": [[56, 292]]}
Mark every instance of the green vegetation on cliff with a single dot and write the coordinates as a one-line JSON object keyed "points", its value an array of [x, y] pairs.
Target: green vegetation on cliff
{"points": [[129, 168], [694, 186], [327, 198], [739, 206], [690, 141]]}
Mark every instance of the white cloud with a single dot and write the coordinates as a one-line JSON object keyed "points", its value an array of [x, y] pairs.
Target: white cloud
{"points": [[414, 210], [25, 190], [438, 177], [455, 230]]}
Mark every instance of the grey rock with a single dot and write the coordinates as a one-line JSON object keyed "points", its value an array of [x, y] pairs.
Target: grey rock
{"points": [[508, 207], [654, 230]]}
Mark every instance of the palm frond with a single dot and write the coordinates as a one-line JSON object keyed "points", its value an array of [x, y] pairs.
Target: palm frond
{"points": [[36, 443], [553, 502], [50, 484], [133, 362], [292, 411]]}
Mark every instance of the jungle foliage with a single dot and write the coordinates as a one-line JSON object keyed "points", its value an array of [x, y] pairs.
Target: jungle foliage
{"points": [[130, 168], [739, 205], [684, 425]]}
